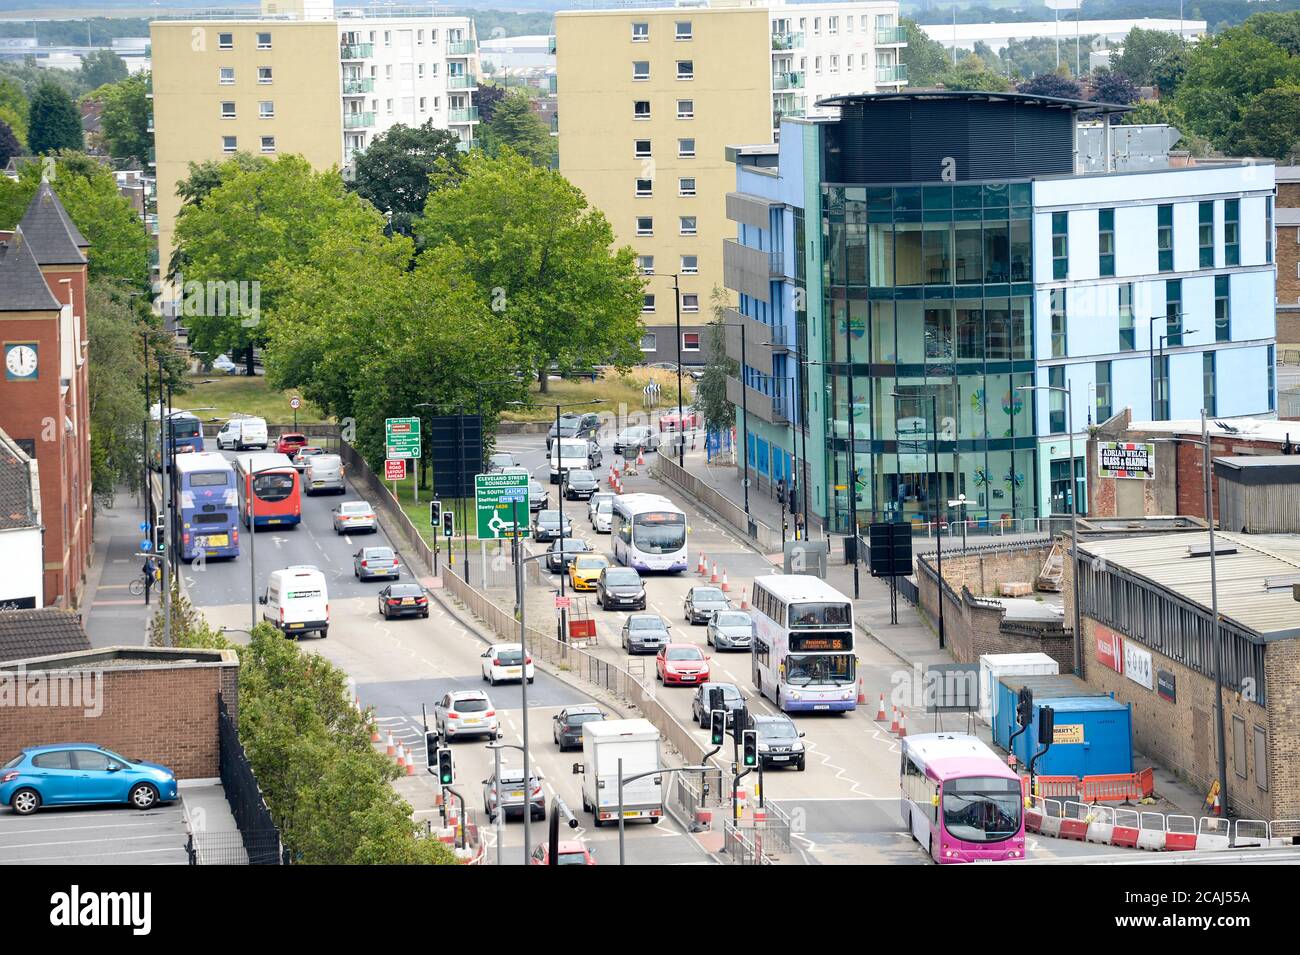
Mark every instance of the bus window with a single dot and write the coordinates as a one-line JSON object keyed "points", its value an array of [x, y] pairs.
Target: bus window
{"points": [[273, 487]]}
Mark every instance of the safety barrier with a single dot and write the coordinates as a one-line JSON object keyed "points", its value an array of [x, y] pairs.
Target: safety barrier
{"points": [[1074, 821], [1058, 786], [1128, 824], [1151, 831], [1213, 832], [1121, 787], [1180, 833], [1101, 825]]}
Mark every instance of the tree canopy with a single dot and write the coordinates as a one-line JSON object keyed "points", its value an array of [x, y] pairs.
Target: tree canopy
{"points": [[393, 172], [515, 126], [125, 120], [53, 121], [972, 74], [1051, 84], [926, 59], [101, 67]]}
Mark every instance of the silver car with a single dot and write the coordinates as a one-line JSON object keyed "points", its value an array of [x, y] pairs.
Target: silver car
{"points": [[512, 797], [730, 630], [324, 472], [644, 633], [352, 516], [466, 713], [370, 563]]}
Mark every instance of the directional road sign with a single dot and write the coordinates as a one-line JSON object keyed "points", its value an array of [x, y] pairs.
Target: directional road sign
{"points": [[497, 497], [402, 437]]}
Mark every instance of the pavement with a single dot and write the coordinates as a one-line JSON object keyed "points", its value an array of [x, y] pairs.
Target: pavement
{"points": [[113, 618]]}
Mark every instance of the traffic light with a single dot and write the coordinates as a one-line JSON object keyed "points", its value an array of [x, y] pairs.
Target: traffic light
{"points": [[1046, 725], [435, 513], [448, 523], [159, 537], [1025, 706], [446, 773], [749, 749], [717, 726]]}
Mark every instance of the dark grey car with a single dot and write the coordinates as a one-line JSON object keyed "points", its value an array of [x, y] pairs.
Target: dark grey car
{"points": [[579, 485], [732, 700], [730, 630], [645, 633], [547, 526], [620, 587], [703, 602], [567, 728], [574, 426], [779, 741], [558, 561]]}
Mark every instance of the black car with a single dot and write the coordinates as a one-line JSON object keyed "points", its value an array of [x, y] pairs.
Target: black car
{"points": [[403, 600], [585, 425], [701, 705], [579, 485], [636, 438], [703, 602], [567, 725], [558, 561], [620, 587], [547, 526], [779, 742]]}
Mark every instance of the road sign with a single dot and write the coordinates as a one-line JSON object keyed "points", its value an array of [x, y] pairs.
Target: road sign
{"points": [[402, 437], [144, 527], [563, 603], [497, 497], [146, 545], [395, 469], [295, 402]]}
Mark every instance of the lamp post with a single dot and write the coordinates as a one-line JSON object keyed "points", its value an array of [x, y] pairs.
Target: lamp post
{"points": [[252, 540], [1074, 524], [803, 427], [1151, 352], [744, 410], [1164, 378], [934, 488]]}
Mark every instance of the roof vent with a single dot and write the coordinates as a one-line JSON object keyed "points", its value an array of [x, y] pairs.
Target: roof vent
{"points": [[1203, 550]]}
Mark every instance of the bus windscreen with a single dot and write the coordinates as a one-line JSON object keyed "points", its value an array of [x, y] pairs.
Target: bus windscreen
{"points": [[820, 615], [981, 808], [819, 670], [659, 532]]}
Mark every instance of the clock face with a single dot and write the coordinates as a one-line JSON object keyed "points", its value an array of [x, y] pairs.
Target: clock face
{"points": [[20, 361]]}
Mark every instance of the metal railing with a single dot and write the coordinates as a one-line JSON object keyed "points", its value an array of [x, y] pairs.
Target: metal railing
{"points": [[260, 836], [788, 81], [358, 120], [891, 74], [463, 115], [356, 51], [462, 81], [768, 538], [354, 87], [741, 848], [891, 35], [787, 41], [460, 48]]}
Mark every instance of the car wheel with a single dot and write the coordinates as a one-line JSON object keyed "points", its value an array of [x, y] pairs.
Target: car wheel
{"points": [[25, 801], [142, 796], [492, 680], [802, 765], [596, 820], [425, 615], [659, 676], [708, 639]]}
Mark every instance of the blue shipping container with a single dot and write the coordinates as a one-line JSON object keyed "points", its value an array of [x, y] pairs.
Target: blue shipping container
{"points": [[1099, 731], [1044, 687]]}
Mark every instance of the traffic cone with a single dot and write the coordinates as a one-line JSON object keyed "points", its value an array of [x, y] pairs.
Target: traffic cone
{"points": [[714, 578], [410, 766], [902, 725], [744, 598], [640, 458], [862, 697], [374, 730], [880, 712], [390, 749], [726, 588], [893, 726], [401, 756], [703, 567], [1217, 808]]}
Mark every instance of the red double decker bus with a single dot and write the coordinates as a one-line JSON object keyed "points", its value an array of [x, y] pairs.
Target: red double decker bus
{"points": [[270, 490]]}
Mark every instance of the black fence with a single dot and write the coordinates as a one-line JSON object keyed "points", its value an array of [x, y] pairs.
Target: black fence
{"points": [[260, 837]]}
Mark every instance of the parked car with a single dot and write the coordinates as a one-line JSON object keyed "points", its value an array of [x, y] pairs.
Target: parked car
{"points": [[585, 570], [371, 562], [680, 664], [730, 630], [324, 472], [563, 552], [403, 600], [505, 661], [547, 526], [223, 364], [566, 725], [779, 741], [304, 454], [466, 713], [703, 602], [636, 438], [679, 419], [732, 700], [290, 442], [567, 852], [620, 587], [573, 425], [500, 461], [645, 633], [579, 484], [695, 373], [65, 774], [512, 794], [352, 516]]}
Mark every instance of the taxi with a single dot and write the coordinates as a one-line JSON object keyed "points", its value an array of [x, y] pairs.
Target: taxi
{"points": [[585, 570]]}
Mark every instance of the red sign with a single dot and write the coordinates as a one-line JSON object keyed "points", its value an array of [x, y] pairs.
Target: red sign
{"points": [[1110, 649], [563, 603], [395, 469]]}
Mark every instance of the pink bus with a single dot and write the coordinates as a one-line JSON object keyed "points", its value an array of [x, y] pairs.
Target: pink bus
{"points": [[959, 800]]}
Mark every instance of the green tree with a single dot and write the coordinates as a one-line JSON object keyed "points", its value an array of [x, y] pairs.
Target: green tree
{"points": [[116, 402], [971, 74], [1270, 124], [1143, 53], [711, 393], [544, 259], [125, 120], [9, 145], [53, 121], [926, 59], [515, 125], [393, 172], [13, 108], [1109, 86], [1281, 29], [1051, 84], [101, 67], [202, 179]]}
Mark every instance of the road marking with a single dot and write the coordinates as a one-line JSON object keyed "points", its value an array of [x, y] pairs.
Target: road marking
{"points": [[840, 772]]}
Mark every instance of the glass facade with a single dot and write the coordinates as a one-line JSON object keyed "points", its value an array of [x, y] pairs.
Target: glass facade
{"points": [[929, 334]]}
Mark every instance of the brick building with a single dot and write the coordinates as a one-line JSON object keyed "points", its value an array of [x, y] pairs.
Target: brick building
{"points": [[1288, 257], [44, 389]]}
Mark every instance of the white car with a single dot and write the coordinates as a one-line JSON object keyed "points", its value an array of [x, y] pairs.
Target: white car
{"points": [[223, 364], [505, 661], [466, 713], [601, 515]]}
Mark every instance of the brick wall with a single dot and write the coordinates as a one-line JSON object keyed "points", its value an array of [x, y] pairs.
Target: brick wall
{"points": [[1287, 255], [984, 572]]}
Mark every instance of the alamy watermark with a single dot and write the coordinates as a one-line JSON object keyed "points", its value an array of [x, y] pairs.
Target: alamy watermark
{"points": [[42, 688]]}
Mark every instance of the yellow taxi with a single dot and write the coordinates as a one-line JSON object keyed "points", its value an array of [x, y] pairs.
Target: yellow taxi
{"points": [[585, 570]]}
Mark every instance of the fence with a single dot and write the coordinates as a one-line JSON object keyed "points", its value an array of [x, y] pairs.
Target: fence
{"points": [[260, 837], [740, 848], [767, 538]]}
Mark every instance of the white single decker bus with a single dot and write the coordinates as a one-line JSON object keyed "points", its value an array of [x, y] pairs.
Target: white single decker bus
{"points": [[649, 533], [803, 656]]}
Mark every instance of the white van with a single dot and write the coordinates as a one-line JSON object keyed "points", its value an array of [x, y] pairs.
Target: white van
{"points": [[238, 434], [576, 453], [297, 601]]}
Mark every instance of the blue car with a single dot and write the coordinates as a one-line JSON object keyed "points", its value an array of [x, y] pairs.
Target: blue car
{"points": [[79, 773]]}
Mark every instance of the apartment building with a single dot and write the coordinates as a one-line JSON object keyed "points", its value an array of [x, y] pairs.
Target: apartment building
{"points": [[1288, 257]]}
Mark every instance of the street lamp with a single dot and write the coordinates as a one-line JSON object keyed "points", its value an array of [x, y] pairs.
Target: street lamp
{"points": [[803, 426], [1151, 352], [249, 496], [934, 488], [681, 414], [744, 410], [1074, 524]]}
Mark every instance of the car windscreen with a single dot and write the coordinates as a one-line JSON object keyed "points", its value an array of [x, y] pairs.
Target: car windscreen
{"points": [[574, 719], [378, 553], [645, 623], [622, 578], [571, 858], [570, 545], [777, 729], [733, 620], [472, 705], [683, 653], [405, 590], [707, 596], [575, 475], [355, 509], [548, 517], [590, 563]]}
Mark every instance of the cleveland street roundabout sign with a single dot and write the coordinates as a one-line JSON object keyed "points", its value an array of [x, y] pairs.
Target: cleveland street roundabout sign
{"points": [[497, 498]]}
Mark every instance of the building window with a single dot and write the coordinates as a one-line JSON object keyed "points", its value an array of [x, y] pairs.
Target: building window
{"points": [[687, 225], [691, 302], [1272, 373], [266, 110], [647, 302], [419, 38], [1106, 242], [686, 186], [388, 38], [690, 265], [1268, 230], [419, 71], [1239, 746], [1058, 322], [835, 64], [1060, 245], [645, 264], [1207, 383], [268, 144], [649, 342], [817, 65], [686, 148], [1165, 237], [641, 148], [645, 225], [229, 144], [1063, 487], [645, 187], [264, 41], [640, 69], [1127, 332], [1056, 400], [684, 30], [817, 26], [227, 76], [1222, 309], [1261, 758], [1232, 232], [227, 110], [832, 25], [690, 341], [1205, 234], [264, 75], [686, 69], [1174, 312], [640, 33], [433, 70], [225, 41], [1162, 388], [686, 109], [1103, 391], [641, 109], [388, 72], [423, 105], [388, 106]]}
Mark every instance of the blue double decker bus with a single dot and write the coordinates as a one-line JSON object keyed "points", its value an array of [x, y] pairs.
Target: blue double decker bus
{"points": [[208, 506], [185, 431]]}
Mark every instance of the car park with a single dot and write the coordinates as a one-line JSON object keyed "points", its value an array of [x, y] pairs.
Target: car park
{"points": [[562, 552], [701, 603], [65, 774], [566, 725], [462, 713], [567, 852], [505, 661], [620, 587], [681, 664], [324, 472], [779, 741], [730, 630], [513, 801], [546, 527], [349, 517], [585, 570], [645, 633], [303, 455], [290, 442], [370, 563], [701, 703], [634, 439], [579, 484], [403, 600]]}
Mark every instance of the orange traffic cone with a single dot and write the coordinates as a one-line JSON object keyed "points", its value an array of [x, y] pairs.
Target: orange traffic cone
{"points": [[702, 567], [640, 458], [410, 766], [744, 599], [862, 697], [1216, 809], [880, 711], [726, 588], [401, 756], [893, 726], [902, 725], [390, 749], [714, 578], [374, 730]]}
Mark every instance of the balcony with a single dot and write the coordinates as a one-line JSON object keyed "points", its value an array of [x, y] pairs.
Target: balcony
{"points": [[886, 75], [463, 115], [358, 120], [787, 41], [757, 352], [462, 81], [788, 81], [149, 128], [356, 51], [152, 159], [769, 408], [893, 36], [460, 48], [748, 270], [550, 46], [780, 114], [357, 87], [552, 83]]}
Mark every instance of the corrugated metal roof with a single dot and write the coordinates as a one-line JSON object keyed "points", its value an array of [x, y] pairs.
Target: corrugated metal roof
{"points": [[1164, 560]]}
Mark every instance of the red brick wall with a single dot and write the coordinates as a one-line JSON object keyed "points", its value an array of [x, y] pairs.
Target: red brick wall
{"points": [[1191, 468]]}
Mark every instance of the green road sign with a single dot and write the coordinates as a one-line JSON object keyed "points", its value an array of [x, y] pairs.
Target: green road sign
{"points": [[496, 498], [402, 437]]}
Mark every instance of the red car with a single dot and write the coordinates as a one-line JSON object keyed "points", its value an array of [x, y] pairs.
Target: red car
{"points": [[677, 418], [570, 852], [682, 664], [290, 442]]}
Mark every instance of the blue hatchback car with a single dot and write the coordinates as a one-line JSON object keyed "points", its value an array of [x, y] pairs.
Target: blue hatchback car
{"points": [[68, 774]]}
